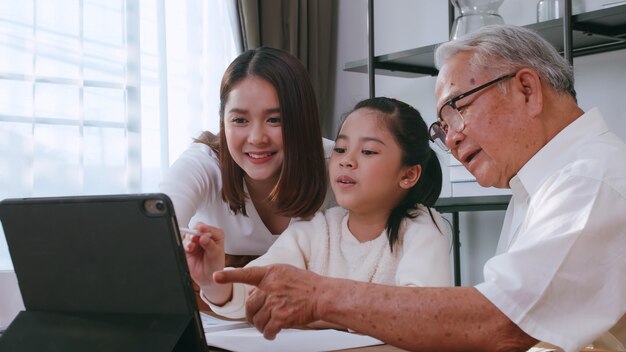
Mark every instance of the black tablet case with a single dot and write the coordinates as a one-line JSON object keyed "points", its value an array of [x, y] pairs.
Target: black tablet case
{"points": [[99, 273]]}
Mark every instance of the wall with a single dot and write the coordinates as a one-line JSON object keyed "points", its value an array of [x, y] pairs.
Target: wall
{"points": [[406, 24]]}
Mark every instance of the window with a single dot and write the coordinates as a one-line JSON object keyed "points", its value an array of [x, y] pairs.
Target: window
{"points": [[100, 96]]}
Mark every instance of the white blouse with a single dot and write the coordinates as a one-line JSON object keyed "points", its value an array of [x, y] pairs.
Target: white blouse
{"points": [[194, 184]]}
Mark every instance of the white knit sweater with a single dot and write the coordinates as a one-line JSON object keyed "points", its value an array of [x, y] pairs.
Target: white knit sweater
{"points": [[325, 246]]}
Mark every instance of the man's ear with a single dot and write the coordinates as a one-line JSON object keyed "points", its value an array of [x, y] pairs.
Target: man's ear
{"points": [[410, 176], [529, 84]]}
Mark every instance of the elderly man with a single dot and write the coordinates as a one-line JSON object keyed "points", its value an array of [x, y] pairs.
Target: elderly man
{"points": [[507, 110]]}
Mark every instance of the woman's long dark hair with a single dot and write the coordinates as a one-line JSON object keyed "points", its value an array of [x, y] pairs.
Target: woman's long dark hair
{"points": [[411, 133], [302, 183]]}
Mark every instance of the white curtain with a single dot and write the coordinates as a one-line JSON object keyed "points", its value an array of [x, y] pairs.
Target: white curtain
{"points": [[101, 96]]}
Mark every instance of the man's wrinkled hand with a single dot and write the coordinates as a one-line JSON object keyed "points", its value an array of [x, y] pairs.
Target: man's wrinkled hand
{"points": [[285, 297]]}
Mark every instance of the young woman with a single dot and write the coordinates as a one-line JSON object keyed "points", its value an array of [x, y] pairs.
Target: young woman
{"points": [[385, 177], [266, 167]]}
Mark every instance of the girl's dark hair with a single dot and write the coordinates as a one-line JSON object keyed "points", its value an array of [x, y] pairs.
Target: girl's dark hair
{"points": [[302, 183], [410, 132]]}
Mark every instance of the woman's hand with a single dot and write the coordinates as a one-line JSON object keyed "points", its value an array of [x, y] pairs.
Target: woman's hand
{"points": [[205, 255]]}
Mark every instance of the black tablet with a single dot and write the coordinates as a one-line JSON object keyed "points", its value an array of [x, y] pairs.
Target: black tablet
{"points": [[100, 273]]}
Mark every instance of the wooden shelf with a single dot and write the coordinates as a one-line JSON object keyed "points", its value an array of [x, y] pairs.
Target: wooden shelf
{"points": [[593, 32]]}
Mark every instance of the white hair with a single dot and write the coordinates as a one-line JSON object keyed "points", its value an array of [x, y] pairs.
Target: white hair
{"points": [[504, 48]]}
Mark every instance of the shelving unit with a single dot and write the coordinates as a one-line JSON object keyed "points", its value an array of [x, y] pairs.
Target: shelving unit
{"points": [[454, 206], [481, 203], [578, 35], [592, 32]]}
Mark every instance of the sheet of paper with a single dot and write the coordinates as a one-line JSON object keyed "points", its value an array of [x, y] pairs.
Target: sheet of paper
{"points": [[10, 298], [211, 323], [289, 340]]}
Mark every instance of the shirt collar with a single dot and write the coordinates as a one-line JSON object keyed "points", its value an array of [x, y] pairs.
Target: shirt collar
{"points": [[559, 150]]}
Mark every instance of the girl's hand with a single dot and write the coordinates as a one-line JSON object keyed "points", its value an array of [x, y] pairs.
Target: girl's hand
{"points": [[205, 253]]}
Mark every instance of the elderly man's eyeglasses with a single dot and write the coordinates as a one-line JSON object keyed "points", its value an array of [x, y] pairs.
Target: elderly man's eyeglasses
{"points": [[450, 117]]}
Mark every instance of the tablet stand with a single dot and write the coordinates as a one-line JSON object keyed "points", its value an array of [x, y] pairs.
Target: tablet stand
{"points": [[33, 331]]}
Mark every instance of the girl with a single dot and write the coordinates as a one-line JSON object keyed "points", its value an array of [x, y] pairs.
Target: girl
{"points": [[385, 177]]}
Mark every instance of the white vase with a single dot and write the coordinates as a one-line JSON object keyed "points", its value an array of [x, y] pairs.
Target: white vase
{"points": [[474, 14]]}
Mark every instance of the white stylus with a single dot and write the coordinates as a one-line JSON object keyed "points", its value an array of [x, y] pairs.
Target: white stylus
{"points": [[192, 232]]}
